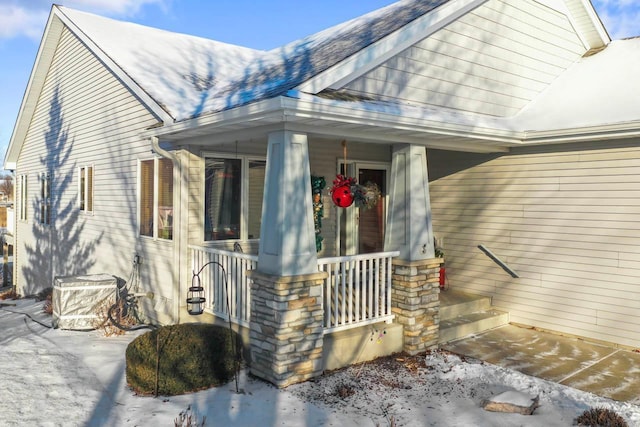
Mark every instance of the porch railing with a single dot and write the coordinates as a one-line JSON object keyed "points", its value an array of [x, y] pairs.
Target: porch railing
{"points": [[236, 265], [356, 292]]}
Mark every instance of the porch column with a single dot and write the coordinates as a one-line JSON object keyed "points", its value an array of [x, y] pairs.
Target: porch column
{"points": [[287, 235], [415, 286], [409, 227], [287, 334]]}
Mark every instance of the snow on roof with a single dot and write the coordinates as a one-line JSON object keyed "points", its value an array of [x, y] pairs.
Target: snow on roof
{"points": [[190, 76], [598, 90]]}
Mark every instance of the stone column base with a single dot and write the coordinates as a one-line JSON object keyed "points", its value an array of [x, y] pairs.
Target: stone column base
{"points": [[286, 336], [415, 301]]}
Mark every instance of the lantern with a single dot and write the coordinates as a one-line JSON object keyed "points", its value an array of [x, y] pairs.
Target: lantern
{"points": [[195, 300]]}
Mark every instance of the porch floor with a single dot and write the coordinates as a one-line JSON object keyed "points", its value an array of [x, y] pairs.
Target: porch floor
{"points": [[593, 367]]}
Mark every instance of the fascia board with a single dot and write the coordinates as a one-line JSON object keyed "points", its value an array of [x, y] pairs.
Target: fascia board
{"points": [[142, 95], [597, 23], [270, 109], [44, 57], [389, 46], [330, 110], [592, 133]]}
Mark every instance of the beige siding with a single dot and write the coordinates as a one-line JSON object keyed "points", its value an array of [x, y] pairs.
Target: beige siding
{"points": [[566, 219], [494, 60], [86, 117]]}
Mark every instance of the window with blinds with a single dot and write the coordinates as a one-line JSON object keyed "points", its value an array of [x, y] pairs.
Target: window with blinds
{"points": [[45, 199], [146, 197], [85, 191], [233, 198], [222, 198], [23, 198], [156, 198], [165, 199]]}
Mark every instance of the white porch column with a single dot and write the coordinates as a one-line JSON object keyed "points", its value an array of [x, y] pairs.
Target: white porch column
{"points": [[409, 224], [287, 236]]}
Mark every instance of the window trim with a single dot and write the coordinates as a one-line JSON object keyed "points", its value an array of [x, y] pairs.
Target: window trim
{"points": [[156, 187], [245, 159], [88, 190]]}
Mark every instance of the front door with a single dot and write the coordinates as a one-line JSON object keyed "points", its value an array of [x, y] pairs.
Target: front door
{"points": [[361, 229]]}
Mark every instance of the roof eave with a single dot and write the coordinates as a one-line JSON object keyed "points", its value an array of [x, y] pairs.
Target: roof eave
{"points": [[44, 57]]}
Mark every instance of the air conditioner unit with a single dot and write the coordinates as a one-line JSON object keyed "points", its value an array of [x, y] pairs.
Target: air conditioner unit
{"points": [[79, 302]]}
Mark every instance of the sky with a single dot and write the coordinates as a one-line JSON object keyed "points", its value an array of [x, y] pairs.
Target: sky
{"points": [[258, 24]]}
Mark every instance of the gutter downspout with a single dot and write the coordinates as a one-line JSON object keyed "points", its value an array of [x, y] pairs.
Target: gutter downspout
{"points": [[177, 219]]}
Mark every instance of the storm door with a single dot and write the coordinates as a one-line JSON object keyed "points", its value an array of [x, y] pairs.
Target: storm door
{"points": [[361, 229]]}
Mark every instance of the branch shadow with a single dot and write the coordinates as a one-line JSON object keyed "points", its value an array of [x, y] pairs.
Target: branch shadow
{"points": [[57, 247]]}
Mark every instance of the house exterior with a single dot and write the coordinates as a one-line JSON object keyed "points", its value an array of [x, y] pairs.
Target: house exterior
{"points": [[134, 143]]}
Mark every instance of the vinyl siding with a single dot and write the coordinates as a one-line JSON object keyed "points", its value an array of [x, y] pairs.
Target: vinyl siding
{"points": [[566, 219], [494, 60], [86, 117]]}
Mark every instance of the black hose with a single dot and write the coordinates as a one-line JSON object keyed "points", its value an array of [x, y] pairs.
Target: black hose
{"points": [[128, 303], [28, 315]]}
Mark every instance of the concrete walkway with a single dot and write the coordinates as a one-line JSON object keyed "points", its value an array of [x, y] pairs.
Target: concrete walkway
{"points": [[596, 368]]}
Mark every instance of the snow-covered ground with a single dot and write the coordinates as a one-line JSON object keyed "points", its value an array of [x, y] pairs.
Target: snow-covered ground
{"points": [[66, 378]]}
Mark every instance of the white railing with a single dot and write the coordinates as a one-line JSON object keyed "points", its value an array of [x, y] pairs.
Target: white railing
{"points": [[357, 290], [235, 266]]}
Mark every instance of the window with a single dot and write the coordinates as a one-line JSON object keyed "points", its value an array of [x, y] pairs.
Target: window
{"points": [[233, 198], [85, 192], [45, 199], [156, 198], [23, 198]]}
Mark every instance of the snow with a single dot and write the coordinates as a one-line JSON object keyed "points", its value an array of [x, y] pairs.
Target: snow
{"points": [[55, 377], [597, 90]]}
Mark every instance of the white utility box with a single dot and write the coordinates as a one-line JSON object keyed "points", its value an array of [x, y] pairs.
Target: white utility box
{"points": [[79, 302]]}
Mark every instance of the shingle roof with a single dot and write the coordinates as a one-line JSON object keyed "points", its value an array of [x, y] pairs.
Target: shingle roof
{"points": [[191, 76]]}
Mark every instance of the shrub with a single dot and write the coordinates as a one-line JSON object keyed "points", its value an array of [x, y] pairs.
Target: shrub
{"points": [[181, 358], [600, 417]]}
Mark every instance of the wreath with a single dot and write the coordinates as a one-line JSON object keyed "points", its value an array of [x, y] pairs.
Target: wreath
{"points": [[346, 191], [317, 185]]}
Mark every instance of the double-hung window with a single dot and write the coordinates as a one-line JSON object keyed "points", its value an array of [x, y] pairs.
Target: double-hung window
{"points": [[45, 198], [233, 197], [85, 192], [156, 198], [23, 197]]}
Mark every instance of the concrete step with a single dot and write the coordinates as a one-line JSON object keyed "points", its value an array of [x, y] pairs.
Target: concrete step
{"points": [[472, 323], [454, 304]]}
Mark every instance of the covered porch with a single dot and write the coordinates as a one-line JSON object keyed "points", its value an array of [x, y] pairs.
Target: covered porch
{"points": [[292, 295]]}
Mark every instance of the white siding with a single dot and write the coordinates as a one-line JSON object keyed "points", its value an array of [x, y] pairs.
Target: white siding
{"points": [[86, 117], [566, 219], [494, 60]]}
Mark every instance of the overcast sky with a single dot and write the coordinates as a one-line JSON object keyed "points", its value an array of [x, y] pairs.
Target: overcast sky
{"points": [[259, 24]]}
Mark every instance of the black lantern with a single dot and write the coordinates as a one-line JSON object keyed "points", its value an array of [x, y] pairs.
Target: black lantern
{"points": [[195, 297]]}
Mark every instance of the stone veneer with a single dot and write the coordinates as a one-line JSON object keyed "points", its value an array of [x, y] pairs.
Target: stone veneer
{"points": [[286, 336], [415, 301]]}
